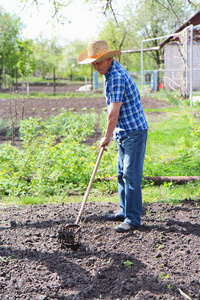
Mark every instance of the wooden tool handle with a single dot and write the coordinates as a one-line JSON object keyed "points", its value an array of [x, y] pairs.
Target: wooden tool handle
{"points": [[90, 184]]}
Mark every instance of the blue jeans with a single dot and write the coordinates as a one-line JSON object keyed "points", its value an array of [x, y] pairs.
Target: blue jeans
{"points": [[131, 153]]}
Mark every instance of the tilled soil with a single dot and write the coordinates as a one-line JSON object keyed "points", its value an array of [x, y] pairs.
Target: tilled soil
{"points": [[160, 260]]}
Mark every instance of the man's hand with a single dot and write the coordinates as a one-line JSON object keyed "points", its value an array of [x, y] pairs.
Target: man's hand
{"points": [[104, 142], [111, 123]]}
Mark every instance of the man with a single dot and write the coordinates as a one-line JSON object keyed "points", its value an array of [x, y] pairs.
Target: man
{"points": [[126, 123]]}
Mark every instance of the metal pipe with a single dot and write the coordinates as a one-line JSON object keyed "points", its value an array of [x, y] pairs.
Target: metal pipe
{"points": [[191, 65], [142, 88]]}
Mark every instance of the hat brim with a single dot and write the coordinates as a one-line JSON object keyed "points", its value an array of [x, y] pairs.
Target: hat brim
{"points": [[83, 58]]}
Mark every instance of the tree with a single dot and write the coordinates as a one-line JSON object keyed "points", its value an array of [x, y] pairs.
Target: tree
{"points": [[57, 6], [26, 63], [118, 37], [69, 65], [106, 6], [110, 7], [153, 19], [47, 55], [10, 29], [69, 61], [44, 62], [55, 55]]}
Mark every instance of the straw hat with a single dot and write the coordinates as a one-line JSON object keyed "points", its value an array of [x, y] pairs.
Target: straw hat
{"points": [[97, 51]]}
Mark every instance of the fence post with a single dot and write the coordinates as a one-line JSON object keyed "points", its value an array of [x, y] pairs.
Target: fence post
{"points": [[95, 80]]}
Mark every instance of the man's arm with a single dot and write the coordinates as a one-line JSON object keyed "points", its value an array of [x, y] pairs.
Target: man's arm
{"points": [[111, 122]]}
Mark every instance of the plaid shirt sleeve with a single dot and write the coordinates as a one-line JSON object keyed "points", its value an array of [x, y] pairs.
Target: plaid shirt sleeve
{"points": [[116, 89]]}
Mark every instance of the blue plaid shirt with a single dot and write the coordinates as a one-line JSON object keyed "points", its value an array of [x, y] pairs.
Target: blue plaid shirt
{"points": [[120, 87]]}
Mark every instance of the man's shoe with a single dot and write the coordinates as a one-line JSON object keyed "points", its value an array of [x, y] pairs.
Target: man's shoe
{"points": [[125, 227], [113, 217]]}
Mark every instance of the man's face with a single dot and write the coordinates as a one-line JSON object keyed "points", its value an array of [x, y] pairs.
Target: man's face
{"points": [[102, 66]]}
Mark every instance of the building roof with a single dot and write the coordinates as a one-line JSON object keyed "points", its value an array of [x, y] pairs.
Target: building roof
{"points": [[194, 20]]}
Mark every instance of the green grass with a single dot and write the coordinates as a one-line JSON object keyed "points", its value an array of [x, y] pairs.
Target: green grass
{"points": [[166, 134], [27, 200], [171, 193], [166, 193]]}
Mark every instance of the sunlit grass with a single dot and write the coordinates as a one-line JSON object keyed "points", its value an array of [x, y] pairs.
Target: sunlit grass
{"points": [[166, 193], [37, 95], [171, 193], [164, 135], [34, 200]]}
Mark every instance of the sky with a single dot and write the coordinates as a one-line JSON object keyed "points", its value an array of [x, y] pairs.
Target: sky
{"points": [[84, 20]]}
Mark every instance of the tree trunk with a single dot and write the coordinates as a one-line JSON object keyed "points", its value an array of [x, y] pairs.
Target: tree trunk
{"points": [[16, 78], [27, 87], [54, 79], [1, 77]]}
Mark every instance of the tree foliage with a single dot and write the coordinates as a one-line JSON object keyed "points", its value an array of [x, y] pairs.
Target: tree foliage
{"points": [[10, 29], [26, 62], [47, 55], [69, 66]]}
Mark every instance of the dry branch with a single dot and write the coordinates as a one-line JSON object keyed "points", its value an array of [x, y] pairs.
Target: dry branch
{"points": [[162, 179]]}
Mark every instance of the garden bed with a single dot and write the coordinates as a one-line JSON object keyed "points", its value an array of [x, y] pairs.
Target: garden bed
{"points": [[160, 260]]}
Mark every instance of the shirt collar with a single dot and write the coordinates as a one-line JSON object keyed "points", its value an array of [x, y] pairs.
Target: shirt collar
{"points": [[109, 70]]}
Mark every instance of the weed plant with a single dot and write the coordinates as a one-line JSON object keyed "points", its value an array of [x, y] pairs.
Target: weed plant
{"points": [[54, 158], [4, 124]]}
